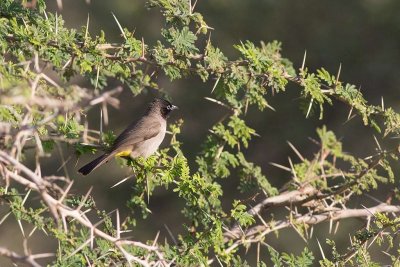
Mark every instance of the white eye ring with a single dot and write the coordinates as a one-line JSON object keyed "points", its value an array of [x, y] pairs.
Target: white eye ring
{"points": [[169, 107]]}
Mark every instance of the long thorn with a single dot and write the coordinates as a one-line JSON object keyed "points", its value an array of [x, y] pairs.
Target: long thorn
{"points": [[280, 166], [320, 248], [304, 60], [119, 26], [295, 151], [87, 27], [309, 107], [338, 74], [215, 84]]}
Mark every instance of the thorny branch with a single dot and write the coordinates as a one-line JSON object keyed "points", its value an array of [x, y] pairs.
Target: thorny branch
{"points": [[27, 259], [257, 233], [302, 196], [11, 168], [58, 209]]}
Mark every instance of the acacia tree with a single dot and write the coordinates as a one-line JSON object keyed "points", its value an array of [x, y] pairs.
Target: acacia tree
{"points": [[38, 113]]}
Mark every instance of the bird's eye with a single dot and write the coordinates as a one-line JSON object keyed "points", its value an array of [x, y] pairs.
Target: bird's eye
{"points": [[169, 107]]}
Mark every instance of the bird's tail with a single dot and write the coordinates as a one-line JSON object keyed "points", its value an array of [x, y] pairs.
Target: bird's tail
{"points": [[88, 168]]}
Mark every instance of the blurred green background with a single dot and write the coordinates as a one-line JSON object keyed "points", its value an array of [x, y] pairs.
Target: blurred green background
{"points": [[363, 36]]}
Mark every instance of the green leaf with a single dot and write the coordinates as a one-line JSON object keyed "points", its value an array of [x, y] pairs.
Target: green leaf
{"points": [[240, 214], [182, 40]]}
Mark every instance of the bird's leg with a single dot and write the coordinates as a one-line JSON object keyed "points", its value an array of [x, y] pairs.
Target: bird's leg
{"points": [[132, 159]]}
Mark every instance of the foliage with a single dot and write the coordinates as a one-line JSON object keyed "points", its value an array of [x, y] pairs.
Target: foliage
{"points": [[40, 112]]}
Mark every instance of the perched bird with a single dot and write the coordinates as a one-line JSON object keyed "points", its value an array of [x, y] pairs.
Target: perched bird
{"points": [[140, 138]]}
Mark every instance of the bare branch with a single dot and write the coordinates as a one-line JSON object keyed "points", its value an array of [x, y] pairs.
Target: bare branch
{"points": [[27, 259]]}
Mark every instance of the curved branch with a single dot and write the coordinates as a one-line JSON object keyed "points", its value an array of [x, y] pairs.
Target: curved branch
{"points": [[256, 233], [298, 197], [312, 219]]}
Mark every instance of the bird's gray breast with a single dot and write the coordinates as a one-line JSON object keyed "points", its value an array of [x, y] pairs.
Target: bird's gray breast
{"points": [[150, 146]]}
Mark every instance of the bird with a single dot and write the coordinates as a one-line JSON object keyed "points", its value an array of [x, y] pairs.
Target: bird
{"points": [[141, 138]]}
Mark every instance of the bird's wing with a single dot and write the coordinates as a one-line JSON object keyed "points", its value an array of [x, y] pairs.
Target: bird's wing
{"points": [[144, 129]]}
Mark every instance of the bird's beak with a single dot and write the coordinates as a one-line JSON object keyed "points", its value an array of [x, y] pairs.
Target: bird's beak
{"points": [[174, 107]]}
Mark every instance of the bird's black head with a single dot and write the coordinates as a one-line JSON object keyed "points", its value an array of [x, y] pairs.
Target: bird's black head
{"points": [[162, 106]]}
